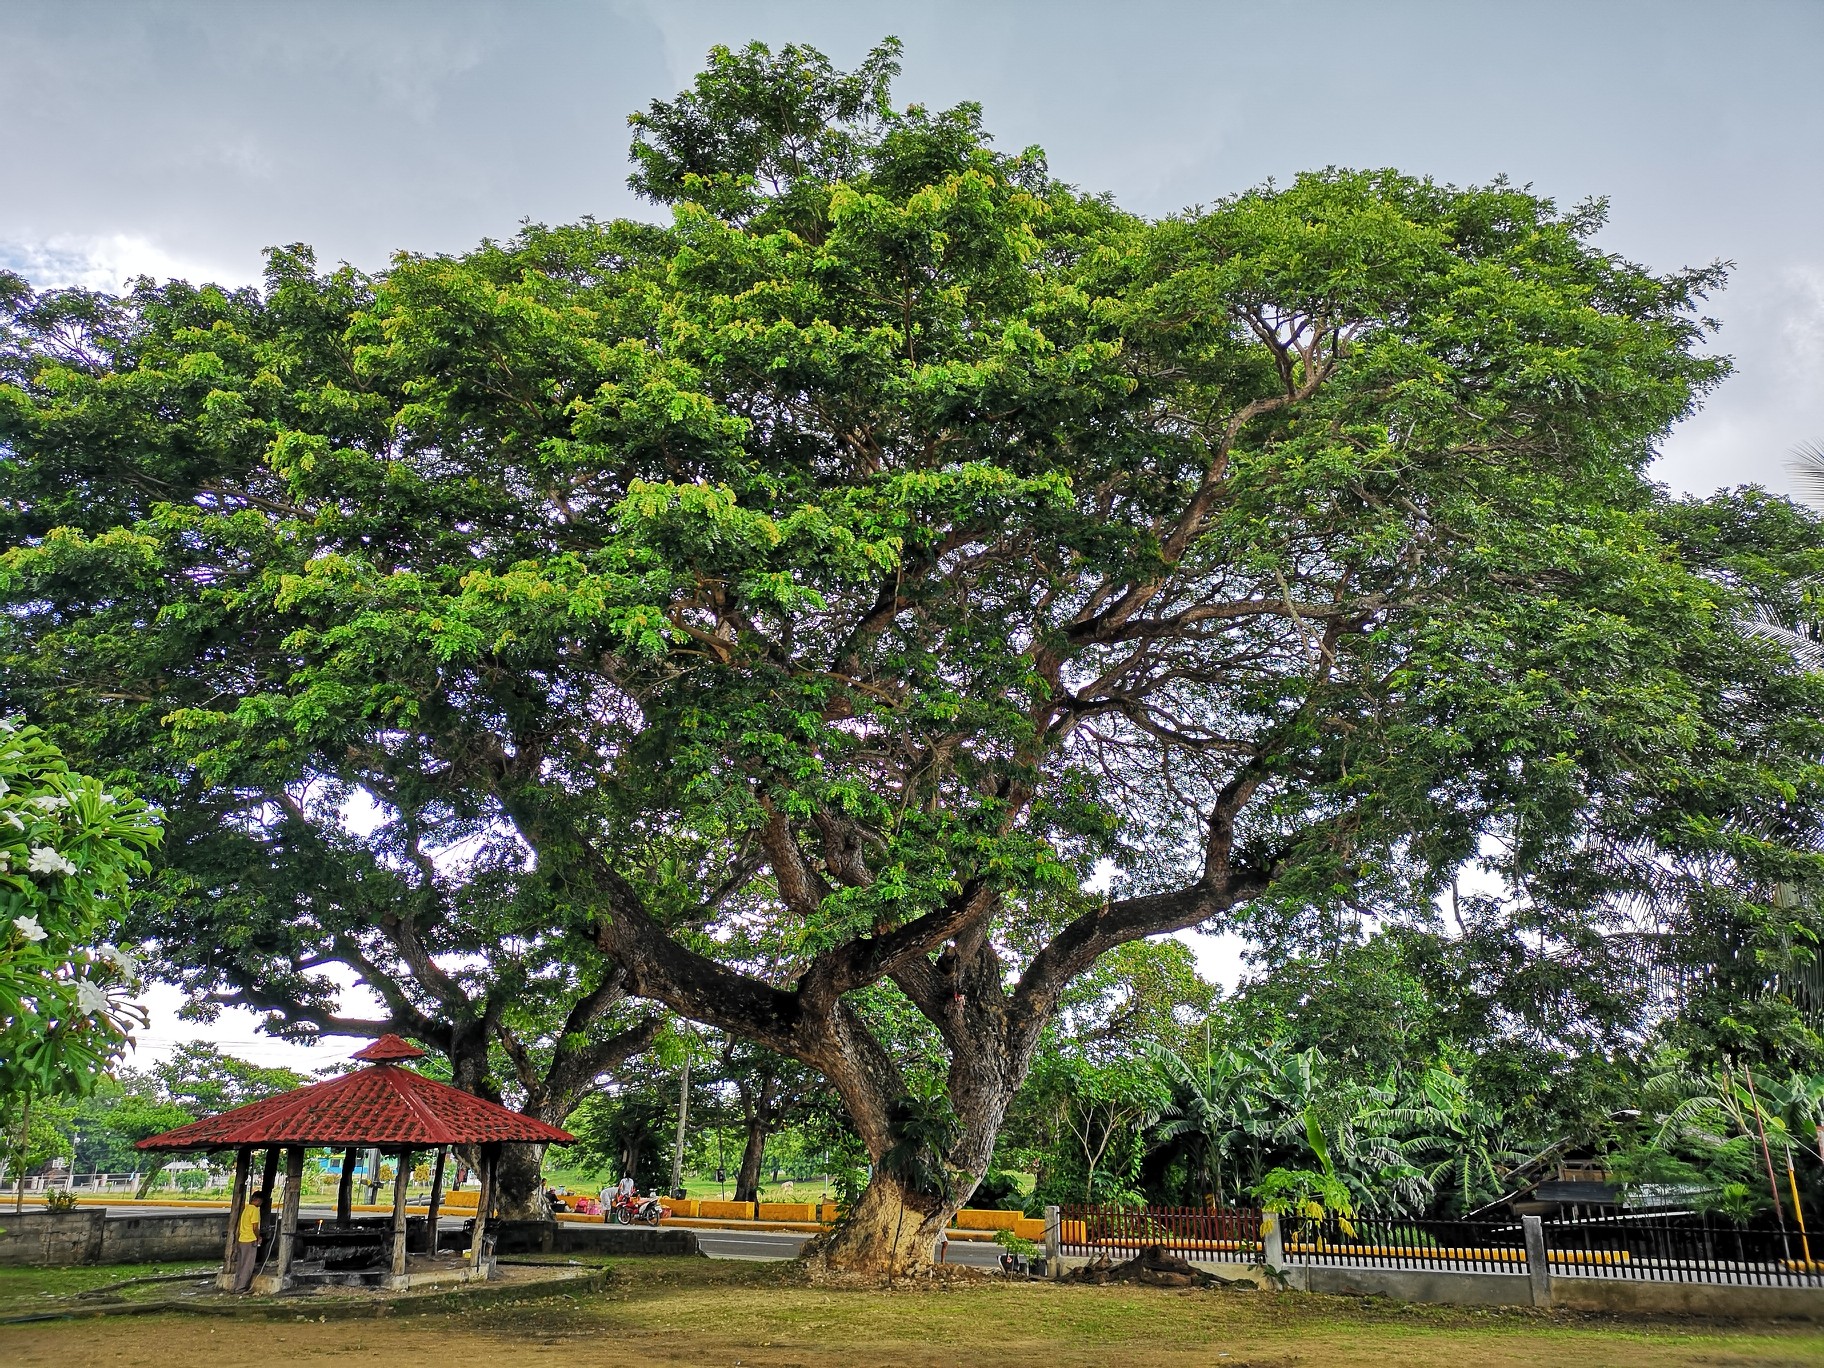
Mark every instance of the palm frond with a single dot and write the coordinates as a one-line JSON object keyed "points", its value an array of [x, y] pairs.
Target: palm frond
{"points": [[1758, 622], [1807, 467]]}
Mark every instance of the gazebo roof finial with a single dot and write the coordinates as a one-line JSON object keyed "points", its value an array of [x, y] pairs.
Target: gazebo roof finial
{"points": [[389, 1049]]}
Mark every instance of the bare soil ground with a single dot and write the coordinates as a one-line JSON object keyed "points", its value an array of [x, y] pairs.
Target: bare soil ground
{"points": [[670, 1312]]}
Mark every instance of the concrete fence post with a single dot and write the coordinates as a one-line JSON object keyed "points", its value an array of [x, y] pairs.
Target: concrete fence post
{"points": [[1538, 1267], [1272, 1243], [1054, 1241]]}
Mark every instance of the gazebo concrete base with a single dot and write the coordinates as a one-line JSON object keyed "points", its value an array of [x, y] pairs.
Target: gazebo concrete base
{"points": [[431, 1276], [421, 1270]]}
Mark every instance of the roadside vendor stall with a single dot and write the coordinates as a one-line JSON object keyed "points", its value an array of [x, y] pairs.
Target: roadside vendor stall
{"points": [[385, 1107]]}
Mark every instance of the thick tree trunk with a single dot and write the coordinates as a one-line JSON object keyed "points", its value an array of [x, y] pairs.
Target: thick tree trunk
{"points": [[632, 1149], [747, 1180], [891, 1233], [519, 1186]]}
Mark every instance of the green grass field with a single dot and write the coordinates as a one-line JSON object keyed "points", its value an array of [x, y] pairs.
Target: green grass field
{"points": [[694, 1311]]}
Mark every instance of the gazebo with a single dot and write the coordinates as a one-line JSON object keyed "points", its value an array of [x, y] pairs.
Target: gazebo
{"points": [[386, 1107]]}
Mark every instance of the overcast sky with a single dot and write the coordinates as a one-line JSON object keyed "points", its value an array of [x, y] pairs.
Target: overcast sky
{"points": [[180, 137]]}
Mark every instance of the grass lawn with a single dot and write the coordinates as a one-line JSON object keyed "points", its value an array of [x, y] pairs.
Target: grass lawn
{"points": [[694, 1311], [34, 1289]]}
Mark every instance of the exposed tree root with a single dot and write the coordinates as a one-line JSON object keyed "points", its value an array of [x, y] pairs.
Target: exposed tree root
{"points": [[1153, 1267]]}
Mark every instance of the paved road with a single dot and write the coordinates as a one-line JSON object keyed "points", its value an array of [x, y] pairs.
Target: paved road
{"points": [[749, 1244], [733, 1242], [726, 1243]]}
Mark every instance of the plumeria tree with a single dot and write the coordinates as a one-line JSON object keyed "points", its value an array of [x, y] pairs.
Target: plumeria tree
{"points": [[69, 850]]}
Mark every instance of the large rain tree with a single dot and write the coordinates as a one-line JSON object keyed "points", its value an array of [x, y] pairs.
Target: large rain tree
{"points": [[282, 880], [869, 561]]}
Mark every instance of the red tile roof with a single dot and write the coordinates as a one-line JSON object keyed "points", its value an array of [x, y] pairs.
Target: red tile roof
{"points": [[382, 1104], [389, 1049]]}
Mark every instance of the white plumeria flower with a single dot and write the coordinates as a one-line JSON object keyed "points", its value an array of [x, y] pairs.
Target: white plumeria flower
{"points": [[47, 861], [13, 817], [50, 802], [90, 999], [29, 928], [122, 960]]}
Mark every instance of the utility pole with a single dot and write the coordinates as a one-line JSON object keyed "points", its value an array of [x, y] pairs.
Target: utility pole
{"points": [[677, 1153]]}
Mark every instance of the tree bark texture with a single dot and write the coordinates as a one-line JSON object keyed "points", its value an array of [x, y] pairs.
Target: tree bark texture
{"points": [[889, 1234], [753, 1153], [519, 1184]]}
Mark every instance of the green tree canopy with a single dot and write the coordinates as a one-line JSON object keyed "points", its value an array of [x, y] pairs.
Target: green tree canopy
{"points": [[204, 1080], [871, 554]]}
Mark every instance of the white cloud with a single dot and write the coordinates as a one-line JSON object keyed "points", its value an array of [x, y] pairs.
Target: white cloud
{"points": [[102, 261], [1221, 956], [1802, 328], [1747, 431], [237, 1030]]}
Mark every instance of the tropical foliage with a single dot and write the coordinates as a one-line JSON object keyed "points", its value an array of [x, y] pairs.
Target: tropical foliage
{"points": [[70, 848]]}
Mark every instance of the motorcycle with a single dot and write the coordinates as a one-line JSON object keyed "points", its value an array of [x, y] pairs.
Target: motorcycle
{"points": [[636, 1210]]}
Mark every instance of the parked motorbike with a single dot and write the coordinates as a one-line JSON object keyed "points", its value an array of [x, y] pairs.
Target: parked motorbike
{"points": [[631, 1210]]}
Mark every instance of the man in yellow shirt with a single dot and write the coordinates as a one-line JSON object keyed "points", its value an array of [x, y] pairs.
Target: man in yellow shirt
{"points": [[247, 1240]]}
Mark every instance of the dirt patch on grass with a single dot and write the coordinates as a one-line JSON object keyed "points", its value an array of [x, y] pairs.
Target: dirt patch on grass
{"points": [[671, 1312]]}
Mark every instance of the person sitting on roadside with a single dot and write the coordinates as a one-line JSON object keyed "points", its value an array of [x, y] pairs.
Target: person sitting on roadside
{"points": [[620, 1195], [247, 1240]]}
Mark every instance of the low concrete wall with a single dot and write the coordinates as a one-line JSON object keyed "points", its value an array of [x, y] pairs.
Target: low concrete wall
{"points": [[150, 1239], [1625, 1296], [725, 1211], [1463, 1289], [49, 1238], [1416, 1285], [786, 1211], [1615, 1296], [569, 1237], [981, 1218]]}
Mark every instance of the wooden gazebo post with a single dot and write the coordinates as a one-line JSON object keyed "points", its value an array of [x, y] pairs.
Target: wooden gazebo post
{"points": [[402, 1173], [345, 1190], [269, 1179], [430, 1238], [237, 1201], [288, 1222], [490, 1160]]}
